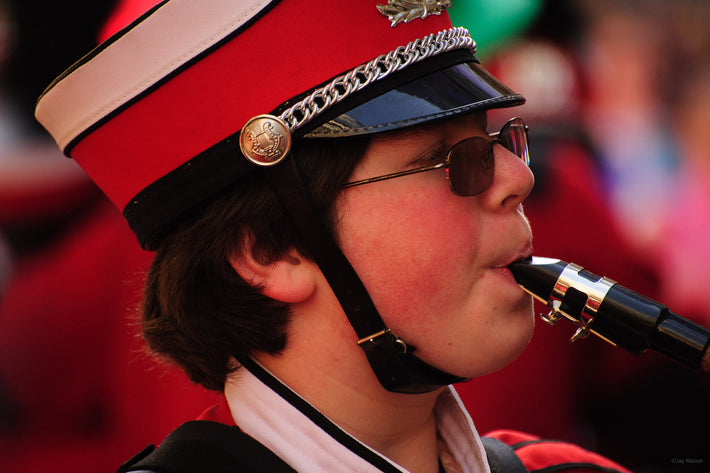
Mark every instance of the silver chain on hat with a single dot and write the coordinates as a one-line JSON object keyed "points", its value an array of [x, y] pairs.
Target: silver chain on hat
{"points": [[265, 140], [342, 86]]}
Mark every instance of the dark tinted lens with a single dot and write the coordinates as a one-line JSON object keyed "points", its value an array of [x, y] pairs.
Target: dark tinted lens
{"points": [[514, 137], [471, 166]]}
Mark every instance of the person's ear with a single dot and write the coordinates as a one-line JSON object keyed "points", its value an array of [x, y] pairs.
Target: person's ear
{"points": [[289, 279]]}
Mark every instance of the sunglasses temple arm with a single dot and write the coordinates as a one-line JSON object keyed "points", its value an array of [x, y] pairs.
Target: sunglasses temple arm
{"points": [[396, 174]]}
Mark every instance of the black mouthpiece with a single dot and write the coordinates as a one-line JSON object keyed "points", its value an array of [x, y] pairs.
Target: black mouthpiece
{"points": [[538, 275]]}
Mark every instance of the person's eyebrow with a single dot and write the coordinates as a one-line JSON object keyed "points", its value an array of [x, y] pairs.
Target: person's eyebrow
{"points": [[433, 154]]}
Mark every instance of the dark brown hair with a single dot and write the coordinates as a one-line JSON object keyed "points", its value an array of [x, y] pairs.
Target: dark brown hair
{"points": [[197, 310]]}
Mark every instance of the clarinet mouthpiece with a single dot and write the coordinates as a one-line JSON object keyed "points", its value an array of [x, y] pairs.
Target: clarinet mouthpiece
{"points": [[538, 275], [622, 317]]}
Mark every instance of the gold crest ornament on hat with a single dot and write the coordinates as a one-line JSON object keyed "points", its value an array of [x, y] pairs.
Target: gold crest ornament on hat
{"points": [[404, 11], [265, 140]]}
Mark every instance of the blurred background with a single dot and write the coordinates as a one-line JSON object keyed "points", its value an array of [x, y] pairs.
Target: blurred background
{"points": [[618, 106]]}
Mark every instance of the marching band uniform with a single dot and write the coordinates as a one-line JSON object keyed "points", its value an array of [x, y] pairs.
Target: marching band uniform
{"points": [[193, 96], [258, 404]]}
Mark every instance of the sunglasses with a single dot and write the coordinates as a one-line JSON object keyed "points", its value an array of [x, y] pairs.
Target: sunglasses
{"points": [[469, 163]]}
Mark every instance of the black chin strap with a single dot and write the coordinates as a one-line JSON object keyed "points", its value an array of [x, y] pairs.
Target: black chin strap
{"points": [[391, 359]]}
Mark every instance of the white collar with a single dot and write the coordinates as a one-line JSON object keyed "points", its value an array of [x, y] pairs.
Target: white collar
{"points": [[305, 439]]}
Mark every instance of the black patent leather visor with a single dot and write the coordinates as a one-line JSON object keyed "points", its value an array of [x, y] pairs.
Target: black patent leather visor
{"points": [[455, 90]]}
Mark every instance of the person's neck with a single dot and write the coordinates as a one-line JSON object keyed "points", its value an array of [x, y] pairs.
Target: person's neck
{"points": [[338, 381], [400, 426]]}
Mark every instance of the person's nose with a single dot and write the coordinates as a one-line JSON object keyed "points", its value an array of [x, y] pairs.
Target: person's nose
{"points": [[512, 181]]}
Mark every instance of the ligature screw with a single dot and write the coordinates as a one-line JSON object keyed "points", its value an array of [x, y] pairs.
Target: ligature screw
{"points": [[552, 317], [581, 332]]}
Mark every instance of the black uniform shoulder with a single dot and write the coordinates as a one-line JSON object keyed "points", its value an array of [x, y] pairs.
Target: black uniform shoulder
{"points": [[207, 447]]}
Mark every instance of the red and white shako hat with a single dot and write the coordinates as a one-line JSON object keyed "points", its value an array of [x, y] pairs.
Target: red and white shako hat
{"points": [[155, 113]]}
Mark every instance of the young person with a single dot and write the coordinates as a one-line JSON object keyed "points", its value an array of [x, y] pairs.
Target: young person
{"points": [[332, 223]]}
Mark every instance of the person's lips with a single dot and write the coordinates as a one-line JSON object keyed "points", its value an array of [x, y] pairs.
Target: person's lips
{"points": [[523, 252]]}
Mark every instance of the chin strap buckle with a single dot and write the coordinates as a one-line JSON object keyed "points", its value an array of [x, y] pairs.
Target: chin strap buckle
{"points": [[401, 344]]}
